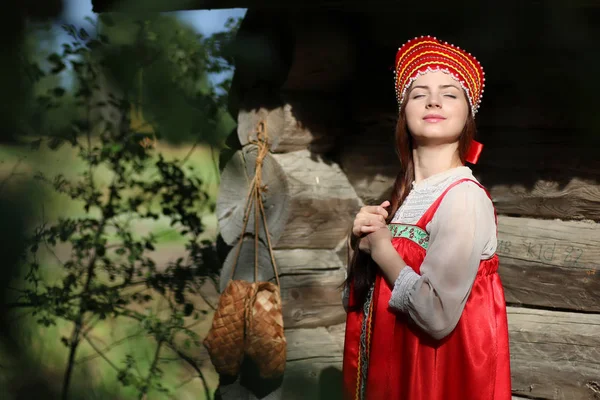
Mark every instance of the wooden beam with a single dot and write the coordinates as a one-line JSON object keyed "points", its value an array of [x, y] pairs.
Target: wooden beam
{"points": [[550, 264], [553, 354], [579, 199]]}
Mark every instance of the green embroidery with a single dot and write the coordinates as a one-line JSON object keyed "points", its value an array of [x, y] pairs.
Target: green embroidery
{"points": [[410, 232]]}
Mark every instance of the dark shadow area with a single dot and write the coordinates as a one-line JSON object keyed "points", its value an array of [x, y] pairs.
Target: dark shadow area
{"points": [[248, 382], [330, 384], [534, 119]]}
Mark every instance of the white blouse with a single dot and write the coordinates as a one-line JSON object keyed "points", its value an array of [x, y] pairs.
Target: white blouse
{"points": [[462, 232]]}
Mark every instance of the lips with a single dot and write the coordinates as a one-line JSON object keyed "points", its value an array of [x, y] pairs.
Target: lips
{"points": [[433, 118]]}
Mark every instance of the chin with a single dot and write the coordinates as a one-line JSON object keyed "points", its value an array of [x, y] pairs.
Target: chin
{"points": [[437, 136]]}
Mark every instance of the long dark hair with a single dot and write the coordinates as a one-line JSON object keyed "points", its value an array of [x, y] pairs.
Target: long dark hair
{"points": [[361, 268]]}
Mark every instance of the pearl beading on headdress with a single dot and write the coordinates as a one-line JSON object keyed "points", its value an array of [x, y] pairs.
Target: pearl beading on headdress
{"points": [[427, 54]]}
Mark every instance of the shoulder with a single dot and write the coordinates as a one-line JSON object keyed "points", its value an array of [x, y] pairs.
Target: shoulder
{"points": [[469, 189], [467, 198]]}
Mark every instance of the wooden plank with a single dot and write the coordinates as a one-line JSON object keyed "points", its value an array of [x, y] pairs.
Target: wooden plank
{"points": [[579, 199], [312, 300], [554, 355], [322, 202], [308, 261], [554, 264], [309, 344]]}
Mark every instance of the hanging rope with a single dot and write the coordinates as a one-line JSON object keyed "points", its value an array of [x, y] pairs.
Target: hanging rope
{"points": [[254, 198]]}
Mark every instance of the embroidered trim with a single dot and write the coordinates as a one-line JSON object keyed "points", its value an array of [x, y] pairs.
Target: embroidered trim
{"points": [[473, 103], [410, 232], [365, 346]]}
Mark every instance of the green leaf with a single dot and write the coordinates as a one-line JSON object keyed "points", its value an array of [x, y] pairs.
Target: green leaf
{"points": [[83, 34]]}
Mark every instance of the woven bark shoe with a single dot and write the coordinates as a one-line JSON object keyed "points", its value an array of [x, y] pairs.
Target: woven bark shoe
{"points": [[265, 341], [225, 340]]}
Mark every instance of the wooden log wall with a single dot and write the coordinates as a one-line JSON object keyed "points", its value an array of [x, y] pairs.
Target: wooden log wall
{"points": [[330, 109], [309, 200]]}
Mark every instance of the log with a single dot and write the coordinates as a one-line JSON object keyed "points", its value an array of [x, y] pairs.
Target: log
{"points": [[579, 199], [295, 120], [307, 261], [554, 355], [322, 203], [312, 300], [314, 363], [309, 201], [551, 264], [232, 199]]}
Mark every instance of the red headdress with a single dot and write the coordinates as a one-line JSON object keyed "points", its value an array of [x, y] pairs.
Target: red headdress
{"points": [[426, 54]]}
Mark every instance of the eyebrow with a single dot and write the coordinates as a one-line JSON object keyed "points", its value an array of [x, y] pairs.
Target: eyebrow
{"points": [[441, 87]]}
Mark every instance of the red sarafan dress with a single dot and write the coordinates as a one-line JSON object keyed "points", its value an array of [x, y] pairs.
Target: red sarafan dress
{"points": [[395, 360]]}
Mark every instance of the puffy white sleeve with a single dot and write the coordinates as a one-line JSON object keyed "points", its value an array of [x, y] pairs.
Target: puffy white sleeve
{"points": [[461, 234]]}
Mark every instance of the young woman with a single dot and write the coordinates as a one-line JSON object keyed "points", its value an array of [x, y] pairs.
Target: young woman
{"points": [[426, 309]]}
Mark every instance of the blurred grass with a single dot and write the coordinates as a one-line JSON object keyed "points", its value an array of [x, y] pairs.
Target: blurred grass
{"points": [[121, 337], [52, 205], [96, 377]]}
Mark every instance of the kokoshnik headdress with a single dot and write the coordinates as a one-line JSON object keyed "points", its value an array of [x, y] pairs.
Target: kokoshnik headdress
{"points": [[427, 54]]}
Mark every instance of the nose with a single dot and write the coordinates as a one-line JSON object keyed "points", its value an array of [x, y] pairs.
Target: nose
{"points": [[433, 102]]}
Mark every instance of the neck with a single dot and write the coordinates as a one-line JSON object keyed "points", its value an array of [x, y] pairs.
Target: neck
{"points": [[431, 160]]}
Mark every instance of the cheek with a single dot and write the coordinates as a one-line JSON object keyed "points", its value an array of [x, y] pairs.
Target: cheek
{"points": [[412, 113]]}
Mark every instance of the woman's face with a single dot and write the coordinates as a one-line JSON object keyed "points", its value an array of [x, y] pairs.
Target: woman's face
{"points": [[436, 109]]}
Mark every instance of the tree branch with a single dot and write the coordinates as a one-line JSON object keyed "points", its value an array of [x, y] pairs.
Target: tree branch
{"points": [[194, 365], [100, 353], [151, 372], [108, 348]]}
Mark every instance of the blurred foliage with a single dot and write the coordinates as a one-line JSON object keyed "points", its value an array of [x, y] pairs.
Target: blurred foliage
{"points": [[157, 64], [134, 81], [162, 66]]}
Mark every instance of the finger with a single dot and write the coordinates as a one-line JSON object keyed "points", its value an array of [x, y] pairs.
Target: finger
{"points": [[375, 210], [369, 229], [383, 211], [376, 220]]}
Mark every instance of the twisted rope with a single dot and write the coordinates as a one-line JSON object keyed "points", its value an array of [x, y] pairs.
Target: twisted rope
{"points": [[254, 198]]}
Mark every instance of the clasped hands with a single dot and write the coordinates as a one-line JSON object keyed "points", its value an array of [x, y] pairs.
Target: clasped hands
{"points": [[369, 225]]}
